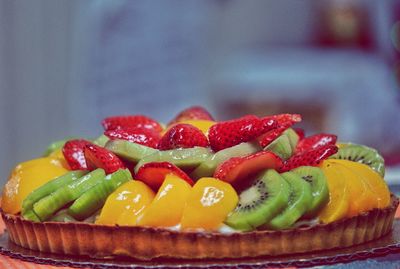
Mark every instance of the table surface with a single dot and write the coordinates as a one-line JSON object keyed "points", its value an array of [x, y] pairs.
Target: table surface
{"points": [[390, 261]]}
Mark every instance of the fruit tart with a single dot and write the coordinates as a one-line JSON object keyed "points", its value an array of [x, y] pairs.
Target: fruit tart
{"points": [[198, 189]]}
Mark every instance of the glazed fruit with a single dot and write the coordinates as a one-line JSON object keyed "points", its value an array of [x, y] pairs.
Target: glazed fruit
{"points": [[182, 136], [209, 203], [101, 140], [92, 200], [131, 121], [261, 202], [167, 207], [285, 120], [202, 125], [142, 136], [153, 174], [128, 150], [281, 147], [192, 113], [300, 199], [73, 151], [316, 141], [26, 177], [48, 205], [125, 204], [99, 157]]}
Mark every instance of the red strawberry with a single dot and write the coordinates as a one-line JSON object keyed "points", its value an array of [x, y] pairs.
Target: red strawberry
{"points": [[192, 113], [315, 141], [135, 121], [236, 170], [312, 157], [300, 132], [153, 174], [270, 136], [182, 136], [99, 157], [143, 136], [230, 133], [285, 119], [73, 153]]}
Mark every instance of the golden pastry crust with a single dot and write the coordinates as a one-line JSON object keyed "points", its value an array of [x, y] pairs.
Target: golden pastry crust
{"points": [[145, 243]]}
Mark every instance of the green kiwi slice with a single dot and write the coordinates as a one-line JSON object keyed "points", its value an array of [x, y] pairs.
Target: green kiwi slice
{"points": [[293, 137], [362, 154], [261, 202], [129, 150], [207, 168], [92, 200], [185, 158], [101, 140], [319, 188], [56, 145], [299, 201], [281, 146]]}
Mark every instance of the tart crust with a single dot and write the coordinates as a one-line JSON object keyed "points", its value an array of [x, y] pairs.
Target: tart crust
{"points": [[144, 243]]}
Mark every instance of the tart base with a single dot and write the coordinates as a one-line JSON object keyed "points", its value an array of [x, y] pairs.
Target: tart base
{"points": [[143, 243]]}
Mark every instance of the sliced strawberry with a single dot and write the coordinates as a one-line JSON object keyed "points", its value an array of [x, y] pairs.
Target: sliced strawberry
{"points": [[131, 121], [73, 153], [233, 132], [315, 141], [143, 136], [182, 136], [192, 113], [285, 119], [300, 132], [99, 157], [270, 136], [312, 157], [236, 170], [153, 174]]}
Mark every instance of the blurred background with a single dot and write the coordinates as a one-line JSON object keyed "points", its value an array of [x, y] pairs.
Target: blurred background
{"points": [[66, 64]]}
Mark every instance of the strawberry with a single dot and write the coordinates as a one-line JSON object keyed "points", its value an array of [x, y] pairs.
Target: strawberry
{"points": [[135, 121], [238, 169], [182, 136], [99, 157], [315, 141], [143, 136], [300, 132], [153, 174], [285, 119], [233, 132], [270, 136], [192, 113], [312, 157], [73, 153]]}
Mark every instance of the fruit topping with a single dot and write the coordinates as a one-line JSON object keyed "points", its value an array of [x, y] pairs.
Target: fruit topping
{"points": [[142, 136], [73, 151], [128, 150], [284, 120], [319, 188], [202, 125], [131, 121], [281, 147], [192, 113], [182, 136], [99, 157], [154, 173], [312, 157], [92, 200], [316, 141], [261, 202], [230, 133], [167, 207], [300, 199], [239, 170], [362, 154], [55, 146], [26, 177], [207, 168], [209, 203], [125, 204], [101, 140], [300, 132], [271, 135]]}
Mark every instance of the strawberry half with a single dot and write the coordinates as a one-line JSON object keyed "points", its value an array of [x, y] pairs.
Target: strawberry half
{"points": [[285, 119], [236, 170], [73, 153], [312, 157], [153, 174], [300, 132], [182, 136], [192, 113], [315, 141], [99, 157], [131, 121], [143, 136], [270, 136], [233, 132]]}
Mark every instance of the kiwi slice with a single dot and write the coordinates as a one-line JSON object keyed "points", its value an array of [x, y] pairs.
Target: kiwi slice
{"points": [[185, 158], [48, 205], [281, 146], [48, 188], [30, 215], [293, 137], [261, 202], [56, 145], [129, 150], [62, 216], [361, 154], [207, 168], [101, 140], [319, 188], [299, 201], [92, 200]]}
